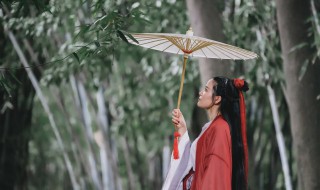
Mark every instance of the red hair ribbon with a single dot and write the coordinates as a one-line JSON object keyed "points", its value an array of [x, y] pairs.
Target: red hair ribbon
{"points": [[239, 83], [175, 145]]}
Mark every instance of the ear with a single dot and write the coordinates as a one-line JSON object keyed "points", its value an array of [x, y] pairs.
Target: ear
{"points": [[217, 100]]}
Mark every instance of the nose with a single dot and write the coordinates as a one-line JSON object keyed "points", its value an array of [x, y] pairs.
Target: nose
{"points": [[200, 93]]}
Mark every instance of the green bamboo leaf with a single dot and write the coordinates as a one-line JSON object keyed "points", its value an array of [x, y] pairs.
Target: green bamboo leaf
{"points": [[6, 86], [299, 46], [110, 17], [130, 36], [6, 105], [122, 36], [97, 43], [303, 69], [15, 78], [83, 30], [77, 57]]}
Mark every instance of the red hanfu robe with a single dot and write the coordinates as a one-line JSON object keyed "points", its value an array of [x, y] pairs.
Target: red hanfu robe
{"points": [[214, 158]]}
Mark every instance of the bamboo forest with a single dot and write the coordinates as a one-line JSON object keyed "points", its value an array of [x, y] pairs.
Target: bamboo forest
{"points": [[84, 108]]}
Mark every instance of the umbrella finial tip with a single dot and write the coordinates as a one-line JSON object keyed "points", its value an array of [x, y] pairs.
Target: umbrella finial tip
{"points": [[190, 32]]}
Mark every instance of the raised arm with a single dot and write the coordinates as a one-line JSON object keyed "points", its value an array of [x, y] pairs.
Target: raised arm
{"points": [[173, 176]]}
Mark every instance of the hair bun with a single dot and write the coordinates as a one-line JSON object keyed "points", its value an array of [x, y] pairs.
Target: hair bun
{"points": [[241, 84]]}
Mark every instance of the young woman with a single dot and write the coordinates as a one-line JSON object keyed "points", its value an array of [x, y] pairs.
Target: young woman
{"points": [[218, 158]]}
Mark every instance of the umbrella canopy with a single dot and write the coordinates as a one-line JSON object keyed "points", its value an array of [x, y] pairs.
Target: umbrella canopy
{"points": [[193, 46], [188, 45]]}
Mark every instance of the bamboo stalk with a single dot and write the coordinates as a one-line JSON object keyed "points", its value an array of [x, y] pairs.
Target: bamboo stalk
{"points": [[103, 124], [78, 154], [45, 105], [314, 14], [79, 92], [131, 178], [280, 139], [60, 103]]}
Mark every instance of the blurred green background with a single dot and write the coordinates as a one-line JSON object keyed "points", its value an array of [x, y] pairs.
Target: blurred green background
{"points": [[82, 109]]}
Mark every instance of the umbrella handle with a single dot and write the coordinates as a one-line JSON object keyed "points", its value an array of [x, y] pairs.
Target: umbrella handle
{"points": [[176, 133], [185, 58]]}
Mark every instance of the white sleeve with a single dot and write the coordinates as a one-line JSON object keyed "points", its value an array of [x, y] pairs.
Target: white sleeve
{"points": [[175, 163]]}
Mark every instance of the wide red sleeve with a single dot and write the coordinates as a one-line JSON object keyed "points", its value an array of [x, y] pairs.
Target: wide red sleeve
{"points": [[218, 162], [217, 175]]}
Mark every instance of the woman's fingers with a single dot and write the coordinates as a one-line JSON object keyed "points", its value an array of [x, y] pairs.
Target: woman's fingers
{"points": [[176, 112], [176, 117], [175, 120]]}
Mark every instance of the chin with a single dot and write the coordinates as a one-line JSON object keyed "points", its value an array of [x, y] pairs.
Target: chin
{"points": [[199, 105]]}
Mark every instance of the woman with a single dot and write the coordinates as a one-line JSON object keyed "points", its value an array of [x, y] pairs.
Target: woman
{"points": [[218, 158]]}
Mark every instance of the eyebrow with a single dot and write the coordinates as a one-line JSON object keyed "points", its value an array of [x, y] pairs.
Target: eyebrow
{"points": [[206, 87]]}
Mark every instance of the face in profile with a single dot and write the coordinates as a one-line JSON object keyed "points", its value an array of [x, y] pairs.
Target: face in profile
{"points": [[205, 95]]}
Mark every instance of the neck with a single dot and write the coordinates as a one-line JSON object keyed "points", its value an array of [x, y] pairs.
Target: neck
{"points": [[213, 112]]}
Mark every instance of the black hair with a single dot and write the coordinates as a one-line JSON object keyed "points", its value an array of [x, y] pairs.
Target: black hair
{"points": [[230, 111]]}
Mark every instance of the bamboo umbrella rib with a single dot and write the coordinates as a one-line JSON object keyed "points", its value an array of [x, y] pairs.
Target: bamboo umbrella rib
{"points": [[203, 52], [213, 52], [202, 45], [248, 54], [239, 55], [146, 37], [142, 39], [158, 44], [221, 52], [226, 53], [152, 42], [193, 43], [240, 51], [174, 42], [184, 43], [234, 54], [196, 45], [168, 47], [188, 41], [180, 45], [179, 42]]}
